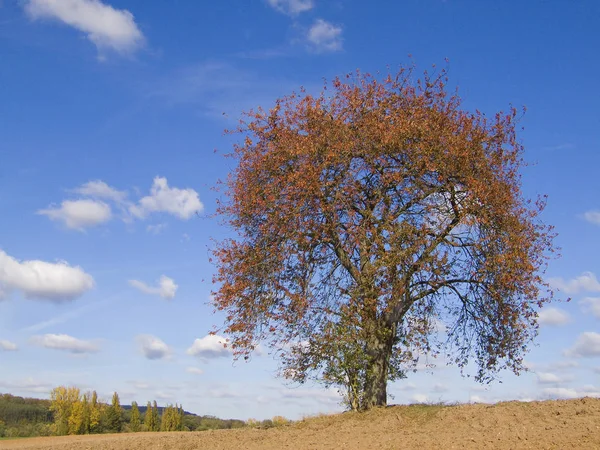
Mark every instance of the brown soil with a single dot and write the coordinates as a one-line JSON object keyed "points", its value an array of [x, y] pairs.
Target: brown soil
{"points": [[559, 424]]}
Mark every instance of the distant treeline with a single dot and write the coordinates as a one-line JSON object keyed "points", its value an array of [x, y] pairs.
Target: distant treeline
{"points": [[71, 412]]}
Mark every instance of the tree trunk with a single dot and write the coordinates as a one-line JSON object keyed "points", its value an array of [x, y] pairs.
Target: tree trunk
{"points": [[379, 350]]}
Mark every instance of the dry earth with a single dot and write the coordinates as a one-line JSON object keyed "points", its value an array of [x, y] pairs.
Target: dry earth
{"points": [[561, 424]]}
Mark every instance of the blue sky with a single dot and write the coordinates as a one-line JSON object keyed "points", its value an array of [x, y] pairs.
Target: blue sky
{"points": [[110, 115]]}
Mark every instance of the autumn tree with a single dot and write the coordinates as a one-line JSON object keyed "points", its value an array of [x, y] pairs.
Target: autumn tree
{"points": [[62, 400], [96, 409], [370, 217], [171, 419], [149, 418], [134, 422]]}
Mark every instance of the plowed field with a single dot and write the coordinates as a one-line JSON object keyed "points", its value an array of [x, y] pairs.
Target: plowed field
{"points": [[562, 424]]}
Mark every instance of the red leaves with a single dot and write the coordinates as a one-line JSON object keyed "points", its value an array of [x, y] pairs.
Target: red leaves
{"points": [[380, 205]]}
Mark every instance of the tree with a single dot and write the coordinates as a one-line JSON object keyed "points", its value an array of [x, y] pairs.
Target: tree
{"points": [[366, 217], [113, 419], [155, 417], [134, 422], [77, 418], [95, 413], [62, 401], [149, 418]]}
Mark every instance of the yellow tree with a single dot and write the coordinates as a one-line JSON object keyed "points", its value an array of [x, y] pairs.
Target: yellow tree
{"points": [[77, 418], [95, 413], [149, 418], [62, 399]]}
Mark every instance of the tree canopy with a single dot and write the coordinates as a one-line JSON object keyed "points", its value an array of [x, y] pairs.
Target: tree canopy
{"points": [[371, 216]]}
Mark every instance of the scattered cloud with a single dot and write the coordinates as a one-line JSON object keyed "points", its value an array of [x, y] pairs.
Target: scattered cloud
{"points": [[27, 385], [477, 399], [292, 7], [66, 343], [156, 229], [328, 396], [591, 305], [565, 146], [586, 282], [79, 214], [420, 398], [592, 217], [209, 347], [181, 203], [93, 209], [161, 395], [553, 316], [194, 370], [403, 386], [8, 346], [324, 37], [108, 28], [56, 282], [166, 287], [587, 345], [99, 189], [221, 90], [567, 393], [153, 347], [551, 378], [563, 365], [439, 387]]}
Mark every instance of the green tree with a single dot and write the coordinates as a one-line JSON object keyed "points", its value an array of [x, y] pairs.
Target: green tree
{"points": [[366, 217], [155, 417], [134, 422], [180, 425], [113, 419]]}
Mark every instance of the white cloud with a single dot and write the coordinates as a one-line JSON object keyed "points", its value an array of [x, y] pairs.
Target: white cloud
{"points": [[99, 189], [79, 214], [439, 387], [561, 393], [477, 399], [65, 342], [8, 346], [27, 385], [591, 305], [182, 203], [420, 398], [194, 370], [152, 347], [105, 26], [403, 386], [586, 282], [563, 365], [56, 282], [210, 346], [166, 287], [162, 395], [553, 316], [156, 229], [592, 217], [551, 378], [325, 37], [587, 345], [292, 7]]}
